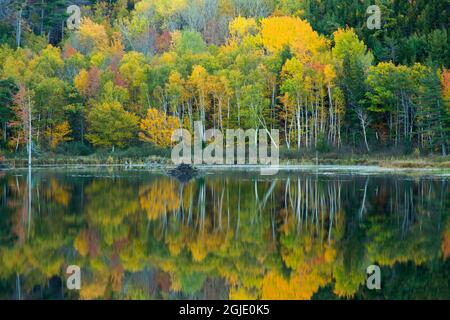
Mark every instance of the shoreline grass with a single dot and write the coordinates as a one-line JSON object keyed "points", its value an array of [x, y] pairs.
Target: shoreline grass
{"points": [[382, 161]]}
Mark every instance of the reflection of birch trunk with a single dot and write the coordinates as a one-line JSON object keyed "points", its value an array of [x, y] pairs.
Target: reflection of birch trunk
{"points": [[30, 129], [180, 211], [306, 202], [228, 207], [299, 205], [330, 224], [190, 207], [272, 218], [363, 204], [267, 195], [201, 205], [220, 208], [311, 202], [408, 209], [316, 202], [239, 211], [29, 200], [286, 189], [256, 191], [38, 196], [18, 287], [164, 226]]}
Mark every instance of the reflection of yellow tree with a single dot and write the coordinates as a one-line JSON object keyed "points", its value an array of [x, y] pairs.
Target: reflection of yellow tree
{"points": [[95, 289], [57, 193], [299, 286], [159, 198], [254, 252], [309, 256], [109, 246]]}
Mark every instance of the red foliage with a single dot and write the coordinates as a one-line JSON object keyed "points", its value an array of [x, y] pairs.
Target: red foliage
{"points": [[163, 41], [69, 51], [93, 82]]}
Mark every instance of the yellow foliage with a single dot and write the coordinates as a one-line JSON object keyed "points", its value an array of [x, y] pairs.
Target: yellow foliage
{"points": [[204, 244], [198, 250], [159, 198], [279, 32], [241, 27], [133, 67], [16, 67], [58, 193], [163, 8], [81, 82], [175, 247], [98, 59], [300, 286], [158, 128], [81, 244], [242, 294], [92, 35], [58, 134], [96, 289], [47, 63]]}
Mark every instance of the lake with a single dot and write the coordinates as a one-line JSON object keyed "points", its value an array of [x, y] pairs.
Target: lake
{"points": [[139, 234]]}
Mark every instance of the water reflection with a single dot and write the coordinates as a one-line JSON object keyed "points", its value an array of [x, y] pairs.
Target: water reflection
{"points": [[146, 236]]}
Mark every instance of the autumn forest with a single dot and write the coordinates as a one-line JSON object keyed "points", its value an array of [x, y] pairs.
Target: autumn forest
{"points": [[91, 93], [133, 71]]}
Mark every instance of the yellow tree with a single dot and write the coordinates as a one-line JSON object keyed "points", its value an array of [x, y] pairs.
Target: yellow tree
{"points": [[221, 91], [280, 32], [158, 128], [91, 36], [241, 27], [294, 88], [199, 82], [59, 133], [177, 94], [133, 68]]}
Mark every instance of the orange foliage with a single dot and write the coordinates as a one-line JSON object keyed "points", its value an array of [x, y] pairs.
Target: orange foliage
{"points": [[88, 82]]}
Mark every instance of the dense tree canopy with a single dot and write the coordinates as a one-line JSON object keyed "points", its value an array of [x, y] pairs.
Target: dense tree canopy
{"points": [[309, 68]]}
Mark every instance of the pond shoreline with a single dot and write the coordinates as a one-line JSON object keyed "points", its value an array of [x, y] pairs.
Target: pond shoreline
{"points": [[280, 169]]}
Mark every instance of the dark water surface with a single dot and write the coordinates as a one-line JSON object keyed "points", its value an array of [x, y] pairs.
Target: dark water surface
{"points": [[142, 235]]}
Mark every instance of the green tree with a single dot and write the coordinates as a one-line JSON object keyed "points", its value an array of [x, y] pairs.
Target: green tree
{"points": [[111, 126]]}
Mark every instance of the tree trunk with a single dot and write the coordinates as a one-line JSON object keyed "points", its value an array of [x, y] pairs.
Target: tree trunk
{"points": [[19, 27], [29, 132]]}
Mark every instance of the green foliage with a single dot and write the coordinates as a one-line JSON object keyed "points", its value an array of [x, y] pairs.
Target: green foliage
{"points": [[309, 68], [189, 42], [110, 125]]}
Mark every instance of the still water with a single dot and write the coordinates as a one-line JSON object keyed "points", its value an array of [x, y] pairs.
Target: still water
{"points": [[144, 235]]}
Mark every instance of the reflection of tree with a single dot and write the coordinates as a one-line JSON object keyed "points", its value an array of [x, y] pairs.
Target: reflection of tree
{"points": [[41, 246], [159, 198], [57, 193], [289, 238], [411, 232], [446, 241]]}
